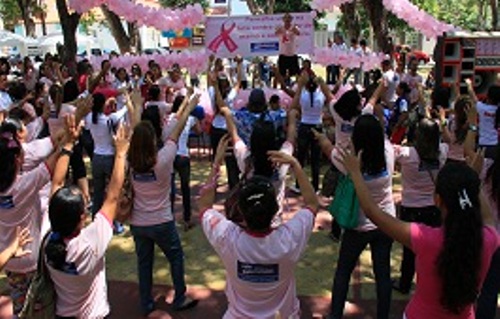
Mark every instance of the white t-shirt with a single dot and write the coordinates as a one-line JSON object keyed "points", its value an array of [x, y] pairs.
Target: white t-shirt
{"points": [[418, 185], [35, 152], [260, 278], [84, 295], [288, 44], [5, 101], [152, 190], [20, 206], [244, 70], [219, 120], [391, 81], [121, 100], [488, 135], [34, 128], [183, 149], [312, 114], [102, 131]]}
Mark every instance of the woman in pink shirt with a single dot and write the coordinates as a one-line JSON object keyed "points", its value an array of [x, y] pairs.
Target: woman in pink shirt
{"points": [[74, 253], [455, 131], [20, 206], [451, 261], [378, 165], [152, 221], [419, 167]]}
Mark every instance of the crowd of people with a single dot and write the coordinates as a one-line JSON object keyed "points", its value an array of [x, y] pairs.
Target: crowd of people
{"points": [[134, 126]]}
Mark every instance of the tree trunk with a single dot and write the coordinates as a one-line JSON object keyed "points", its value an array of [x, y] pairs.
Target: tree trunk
{"points": [[44, 25], [26, 8], [494, 15], [69, 25], [125, 42], [351, 19], [135, 37], [270, 6], [378, 19], [254, 8]]}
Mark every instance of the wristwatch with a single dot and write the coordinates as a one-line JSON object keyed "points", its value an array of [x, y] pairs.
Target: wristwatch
{"points": [[65, 151], [473, 128]]}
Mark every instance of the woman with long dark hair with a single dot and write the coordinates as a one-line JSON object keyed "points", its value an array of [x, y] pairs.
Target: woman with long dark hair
{"points": [[452, 260], [20, 207], [152, 221], [377, 156], [74, 253], [313, 95], [419, 167], [455, 131]]}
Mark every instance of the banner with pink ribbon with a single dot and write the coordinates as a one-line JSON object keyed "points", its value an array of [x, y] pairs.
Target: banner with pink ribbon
{"points": [[255, 35]]}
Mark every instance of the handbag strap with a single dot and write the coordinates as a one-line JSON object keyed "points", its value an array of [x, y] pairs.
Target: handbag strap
{"points": [[41, 267], [433, 179]]}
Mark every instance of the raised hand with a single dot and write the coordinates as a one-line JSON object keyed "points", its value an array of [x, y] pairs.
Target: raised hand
{"points": [[221, 150], [349, 160], [22, 239], [121, 140], [281, 158], [71, 128]]}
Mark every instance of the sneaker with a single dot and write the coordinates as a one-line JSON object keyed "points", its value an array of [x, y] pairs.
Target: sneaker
{"points": [[187, 304], [118, 228]]}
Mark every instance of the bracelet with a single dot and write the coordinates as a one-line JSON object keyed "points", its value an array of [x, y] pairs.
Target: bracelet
{"points": [[65, 151]]}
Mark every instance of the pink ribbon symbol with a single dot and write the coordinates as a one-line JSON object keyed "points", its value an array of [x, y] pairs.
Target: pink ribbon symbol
{"points": [[224, 37]]}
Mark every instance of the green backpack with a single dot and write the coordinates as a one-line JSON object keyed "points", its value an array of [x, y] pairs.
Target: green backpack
{"points": [[345, 205], [40, 300]]}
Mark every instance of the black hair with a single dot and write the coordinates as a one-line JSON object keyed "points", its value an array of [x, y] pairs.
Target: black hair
{"points": [[56, 94], [405, 88], [459, 262], [368, 136], [81, 67], [98, 106], [348, 106], [362, 42], [441, 97], [427, 140], [258, 204], [154, 93], [19, 114], [65, 209], [4, 62], [177, 103], [152, 115], [10, 150], [18, 91], [127, 78], [493, 178], [274, 99], [262, 140], [70, 91], [462, 104]]}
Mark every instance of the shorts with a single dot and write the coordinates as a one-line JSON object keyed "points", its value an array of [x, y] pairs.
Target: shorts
{"points": [[290, 64], [19, 285]]}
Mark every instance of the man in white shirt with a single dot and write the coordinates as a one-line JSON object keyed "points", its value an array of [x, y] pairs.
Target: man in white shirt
{"points": [[5, 99], [333, 71], [414, 80], [288, 61], [391, 80]]}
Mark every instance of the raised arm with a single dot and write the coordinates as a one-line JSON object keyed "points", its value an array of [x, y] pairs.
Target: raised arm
{"points": [[121, 139], [324, 143], [83, 107], [307, 190], [231, 126], [291, 130], [324, 89], [470, 138], [393, 227], [207, 192], [58, 162], [94, 82], [194, 100], [470, 90]]}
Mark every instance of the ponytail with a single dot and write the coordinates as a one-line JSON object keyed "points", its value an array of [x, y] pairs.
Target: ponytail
{"points": [[98, 106], [459, 262], [10, 150]]}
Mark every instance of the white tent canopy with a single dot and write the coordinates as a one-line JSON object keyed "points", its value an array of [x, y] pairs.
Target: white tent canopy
{"points": [[9, 39], [49, 42]]}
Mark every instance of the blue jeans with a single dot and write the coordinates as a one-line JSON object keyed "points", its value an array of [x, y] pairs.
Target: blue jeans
{"points": [[488, 299], [353, 244], [102, 168], [166, 237]]}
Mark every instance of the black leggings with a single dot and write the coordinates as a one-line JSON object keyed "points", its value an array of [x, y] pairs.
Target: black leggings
{"points": [[233, 172], [307, 145]]}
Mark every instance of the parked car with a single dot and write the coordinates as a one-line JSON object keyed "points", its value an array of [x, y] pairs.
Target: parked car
{"points": [[421, 56]]}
